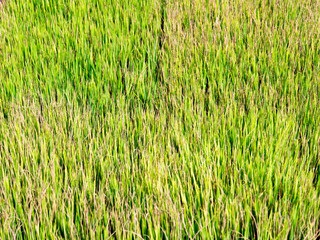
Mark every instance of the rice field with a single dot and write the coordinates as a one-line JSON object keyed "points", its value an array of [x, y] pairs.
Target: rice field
{"points": [[160, 119]]}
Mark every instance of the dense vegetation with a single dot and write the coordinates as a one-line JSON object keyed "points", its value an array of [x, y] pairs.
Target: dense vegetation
{"points": [[159, 119]]}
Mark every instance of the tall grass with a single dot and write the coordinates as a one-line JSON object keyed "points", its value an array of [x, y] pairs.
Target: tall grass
{"points": [[159, 119]]}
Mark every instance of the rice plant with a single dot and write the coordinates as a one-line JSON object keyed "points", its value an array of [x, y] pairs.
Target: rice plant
{"points": [[159, 119]]}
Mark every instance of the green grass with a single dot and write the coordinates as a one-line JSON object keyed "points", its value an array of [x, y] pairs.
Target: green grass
{"points": [[160, 119]]}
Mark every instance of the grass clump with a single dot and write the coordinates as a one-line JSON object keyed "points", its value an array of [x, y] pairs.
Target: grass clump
{"points": [[159, 119]]}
